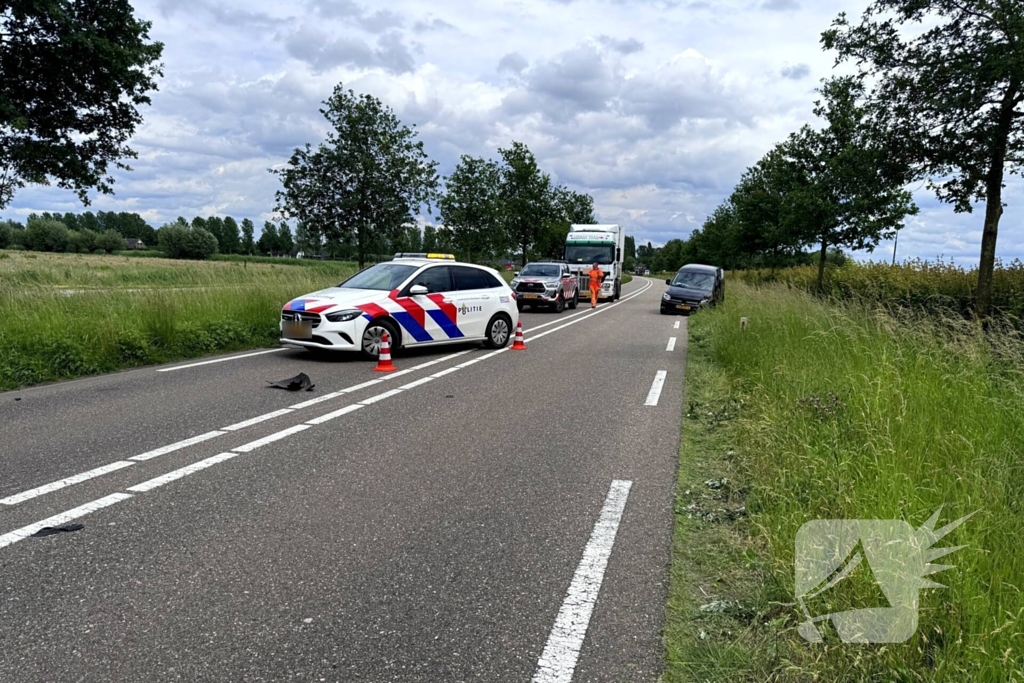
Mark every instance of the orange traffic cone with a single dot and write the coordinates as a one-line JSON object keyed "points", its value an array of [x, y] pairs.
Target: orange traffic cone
{"points": [[518, 344], [384, 359]]}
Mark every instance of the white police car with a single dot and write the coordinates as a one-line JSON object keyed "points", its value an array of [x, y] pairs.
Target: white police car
{"points": [[417, 299]]}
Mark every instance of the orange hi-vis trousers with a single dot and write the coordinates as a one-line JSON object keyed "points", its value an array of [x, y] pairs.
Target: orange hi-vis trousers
{"points": [[593, 294]]}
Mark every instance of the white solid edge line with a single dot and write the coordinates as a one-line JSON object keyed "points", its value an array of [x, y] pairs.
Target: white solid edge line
{"points": [[163, 450], [561, 653], [62, 518], [380, 397], [256, 420], [676, 326], [446, 371], [178, 474], [671, 344], [219, 360], [276, 436], [58, 485], [655, 393], [337, 413]]}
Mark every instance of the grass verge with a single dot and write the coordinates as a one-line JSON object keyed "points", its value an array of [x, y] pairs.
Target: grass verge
{"points": [[825, 411], [66, 315]]}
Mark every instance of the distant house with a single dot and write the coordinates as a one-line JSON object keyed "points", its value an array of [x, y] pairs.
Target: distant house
{"points": [[132, 243]]}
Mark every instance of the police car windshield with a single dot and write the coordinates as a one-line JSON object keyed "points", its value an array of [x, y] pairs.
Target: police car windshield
{"points": [[383, 276], [694, 280], [537, 270]]}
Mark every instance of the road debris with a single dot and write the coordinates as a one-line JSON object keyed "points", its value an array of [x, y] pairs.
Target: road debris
{"points": [[51, 530], [297, 383]]}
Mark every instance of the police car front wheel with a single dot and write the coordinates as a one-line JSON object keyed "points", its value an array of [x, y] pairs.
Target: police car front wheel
{"points": [[373, 336]]}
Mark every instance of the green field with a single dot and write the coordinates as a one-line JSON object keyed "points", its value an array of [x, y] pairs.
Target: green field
{"points": [[926, 414], [71, 315]]}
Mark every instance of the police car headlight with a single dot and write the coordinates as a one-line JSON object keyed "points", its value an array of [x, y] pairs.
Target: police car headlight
{"points": [[666, 297], [343, 316]]}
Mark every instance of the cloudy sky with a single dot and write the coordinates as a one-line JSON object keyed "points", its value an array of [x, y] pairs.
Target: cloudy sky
{"points": [[654, 107]]}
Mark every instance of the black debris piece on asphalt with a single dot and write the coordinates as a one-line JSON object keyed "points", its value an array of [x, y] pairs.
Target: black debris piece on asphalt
{"points": [[297, 383], [51, 530]]}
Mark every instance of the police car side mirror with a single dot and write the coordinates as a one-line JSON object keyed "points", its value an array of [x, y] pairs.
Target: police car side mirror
{"points": [[668, 282], [515, 273], [417, 290]]}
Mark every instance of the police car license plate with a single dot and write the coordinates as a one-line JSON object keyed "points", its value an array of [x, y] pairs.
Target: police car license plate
{"points": [[298, 329], [683, 307], [531, 296]]}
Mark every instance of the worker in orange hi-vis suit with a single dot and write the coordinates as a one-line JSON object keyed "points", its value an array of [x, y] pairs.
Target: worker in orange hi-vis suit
{"points": [[595, 275]]}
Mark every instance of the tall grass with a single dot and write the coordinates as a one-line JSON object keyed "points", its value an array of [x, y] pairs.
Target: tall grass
{"points": [[64, 316], [929, 415], [933, 286]]}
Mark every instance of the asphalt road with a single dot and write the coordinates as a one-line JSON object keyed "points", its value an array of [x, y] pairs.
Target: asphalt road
{"points": [[481, 517]]}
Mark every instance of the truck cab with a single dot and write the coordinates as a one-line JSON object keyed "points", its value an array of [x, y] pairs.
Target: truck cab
{"points": [[587, 244]]}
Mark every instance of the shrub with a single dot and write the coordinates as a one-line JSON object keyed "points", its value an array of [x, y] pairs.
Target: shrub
{"points": [[47, 235], [178, 240], [110, 241], [6, 234], [83, 242]]}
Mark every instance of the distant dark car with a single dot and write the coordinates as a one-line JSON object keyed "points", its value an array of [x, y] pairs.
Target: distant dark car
{"points": [[694, 286]]}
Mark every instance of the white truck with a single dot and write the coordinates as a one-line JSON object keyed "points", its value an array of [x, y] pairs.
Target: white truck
{"points": [[602, 244]]}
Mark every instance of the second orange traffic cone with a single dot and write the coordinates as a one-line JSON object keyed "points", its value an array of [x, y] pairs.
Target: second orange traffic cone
{"points": [[518, 344], [384, 359]]}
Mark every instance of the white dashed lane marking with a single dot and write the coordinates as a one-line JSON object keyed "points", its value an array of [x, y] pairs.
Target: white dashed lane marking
{"points": [[655, 393], [558, 661]]}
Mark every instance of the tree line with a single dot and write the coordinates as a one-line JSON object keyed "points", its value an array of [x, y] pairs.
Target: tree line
{"points": [[361, 187], [937, 98]]}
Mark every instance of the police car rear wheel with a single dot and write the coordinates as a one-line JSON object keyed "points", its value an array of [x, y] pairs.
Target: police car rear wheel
{"points": [[499, 329], [373, 334]]}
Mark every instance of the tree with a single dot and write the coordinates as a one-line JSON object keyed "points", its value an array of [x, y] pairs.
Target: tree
{"points": [[72, 78], [88, 221], [6, 234], [110, 241], [471, 207], [630, 247], [83, 241], [229, 236], [526, 197], [179, 240], [414, 239], [951, 98], [269, 242], [285, 243], [71, 221], [761, 210], [306, 242], [216, 227], [429, 238], [847, 188], [46, 235], [363, 183], [575, 207], [248, 230]]}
